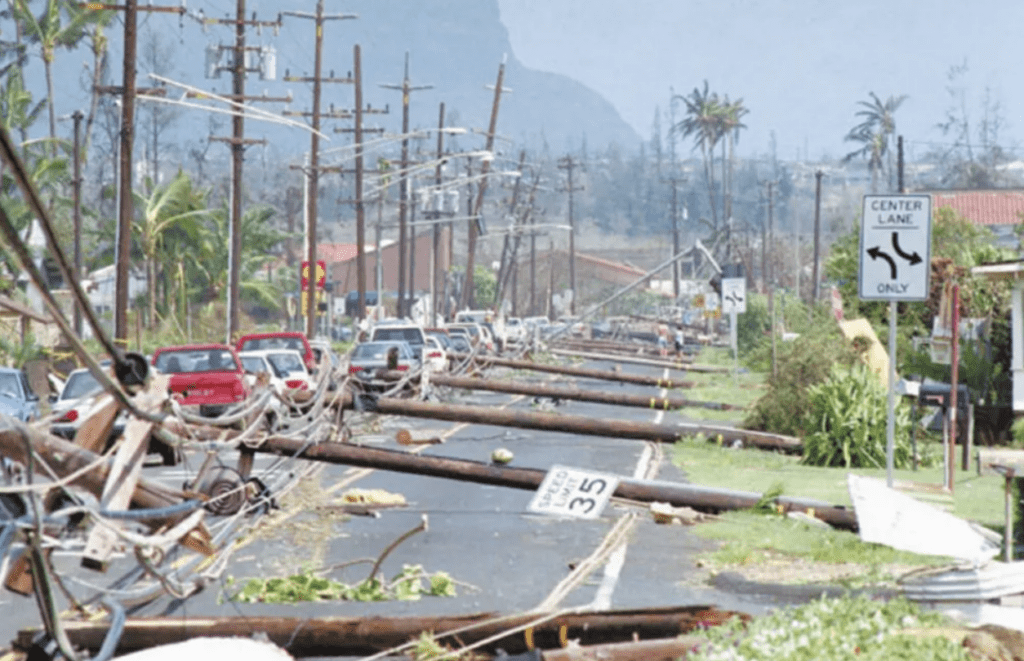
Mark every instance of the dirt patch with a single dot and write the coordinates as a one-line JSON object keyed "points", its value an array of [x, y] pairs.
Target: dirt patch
{"points": [[784, 570]]}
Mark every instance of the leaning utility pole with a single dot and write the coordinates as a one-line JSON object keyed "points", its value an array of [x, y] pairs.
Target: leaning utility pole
{"points": [[468, 300], [435, 286], [569, 164], [238, 143], [313, 175], [403, 186], [506, 245]]}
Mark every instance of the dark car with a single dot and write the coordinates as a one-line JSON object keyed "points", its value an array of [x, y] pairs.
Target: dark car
{"points": [[369, 358]]}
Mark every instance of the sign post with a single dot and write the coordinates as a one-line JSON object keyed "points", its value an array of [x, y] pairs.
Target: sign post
{"points": [[895, 265], [734, 301]]}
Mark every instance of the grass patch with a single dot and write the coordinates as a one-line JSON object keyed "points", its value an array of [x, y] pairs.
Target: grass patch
{"points": [[740, 390], [749, 538], [975, 498]]}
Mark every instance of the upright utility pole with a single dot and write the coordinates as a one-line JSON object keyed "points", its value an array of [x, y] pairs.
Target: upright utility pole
{"points": [[403, 185], [126, 209], [313, 176], [468, 299], [238, 143], [77, 212], [507, 241], [360, 208], [817, 237], [435, 284], [771, 280], [569, 165], [674, 182]]}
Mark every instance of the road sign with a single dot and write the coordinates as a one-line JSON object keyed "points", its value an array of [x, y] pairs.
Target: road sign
{"points": [[321, 274], [895, 247], [734, 295], [573, 492], [304, 294]]}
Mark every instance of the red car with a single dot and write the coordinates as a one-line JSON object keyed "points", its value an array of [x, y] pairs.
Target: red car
{"points": [[294, 340], [209, 376]]}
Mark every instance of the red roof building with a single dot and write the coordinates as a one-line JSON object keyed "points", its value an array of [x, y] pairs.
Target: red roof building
{"points": [[983, 207]]}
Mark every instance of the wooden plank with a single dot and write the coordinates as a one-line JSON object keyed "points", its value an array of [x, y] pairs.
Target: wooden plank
{"points": [[92, 434], [123, 477]]}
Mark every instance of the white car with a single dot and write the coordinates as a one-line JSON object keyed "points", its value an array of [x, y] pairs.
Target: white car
{"points": [[435, 358], [287, 370], [515, 331]]}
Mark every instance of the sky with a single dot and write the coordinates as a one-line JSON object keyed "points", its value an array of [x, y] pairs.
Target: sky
{"points": [[800, 66]]}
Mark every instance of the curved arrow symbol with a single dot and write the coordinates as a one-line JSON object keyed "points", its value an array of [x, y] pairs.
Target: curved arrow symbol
{"points": [[876, 252], [913, 258]]}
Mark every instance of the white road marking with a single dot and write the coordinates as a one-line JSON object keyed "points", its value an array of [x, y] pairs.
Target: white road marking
{"points": [[613, 568]]}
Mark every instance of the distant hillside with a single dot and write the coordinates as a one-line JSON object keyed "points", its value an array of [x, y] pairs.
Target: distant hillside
{"points": [[454, 45]]}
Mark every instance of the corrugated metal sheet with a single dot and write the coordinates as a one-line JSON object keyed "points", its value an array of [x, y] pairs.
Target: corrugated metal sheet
{"points": [[886, 516], [967, 583]]}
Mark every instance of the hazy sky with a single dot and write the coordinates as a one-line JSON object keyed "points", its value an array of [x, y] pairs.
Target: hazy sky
{"points": [[800, 66]]}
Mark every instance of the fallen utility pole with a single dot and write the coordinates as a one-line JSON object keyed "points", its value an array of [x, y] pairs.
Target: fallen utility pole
{"points": [[519, 387], [704, 499], [358, 636], [607, 375], [66, 458], [668, 364], [632, 348], [572, 424]]}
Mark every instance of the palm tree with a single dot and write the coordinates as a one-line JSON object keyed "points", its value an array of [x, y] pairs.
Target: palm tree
{"points": [[50, 31], [730, 116], [703, 122], [874, 131], [176, 206]]}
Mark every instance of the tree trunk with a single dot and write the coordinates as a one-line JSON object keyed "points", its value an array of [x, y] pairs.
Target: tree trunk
{"points": [[49, 103]]}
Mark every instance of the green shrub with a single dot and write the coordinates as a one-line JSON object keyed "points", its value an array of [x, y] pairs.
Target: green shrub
{"points": [[802, 362], [846, 422]]}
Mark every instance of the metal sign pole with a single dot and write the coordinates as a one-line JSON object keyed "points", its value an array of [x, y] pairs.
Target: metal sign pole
{"points": [[735, 345], [890, 423]]}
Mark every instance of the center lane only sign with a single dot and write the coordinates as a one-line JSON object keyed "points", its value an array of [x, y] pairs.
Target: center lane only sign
{"points": [[895, 247]]}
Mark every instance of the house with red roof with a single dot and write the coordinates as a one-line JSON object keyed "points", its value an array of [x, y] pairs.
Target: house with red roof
{"points": [[1001, 210]]}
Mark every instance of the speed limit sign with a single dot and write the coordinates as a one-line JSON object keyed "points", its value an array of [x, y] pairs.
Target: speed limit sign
{"points": [[573, 492]]}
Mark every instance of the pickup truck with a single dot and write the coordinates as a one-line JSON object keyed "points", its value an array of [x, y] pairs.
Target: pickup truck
{"points": [[206, 376]]}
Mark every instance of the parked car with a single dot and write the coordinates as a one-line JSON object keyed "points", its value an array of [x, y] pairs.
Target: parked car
{"points": [[434, 355], [288, 373], [477, 334], [515, 331], [79, 399], [400, 332], [370, 357], [280, 340], [206, 376], [16, 397], [460, 343]]}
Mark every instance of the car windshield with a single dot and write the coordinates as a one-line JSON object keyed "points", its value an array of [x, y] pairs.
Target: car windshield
{"points": [[9, 386], [261, 343], [378, 350], [80, 384], [196, 360], [412, 335], [285, 362], [253, 364]]}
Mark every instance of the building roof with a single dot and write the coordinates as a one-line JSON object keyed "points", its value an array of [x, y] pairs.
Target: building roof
{"points": [[333, 253], [983, 207]]}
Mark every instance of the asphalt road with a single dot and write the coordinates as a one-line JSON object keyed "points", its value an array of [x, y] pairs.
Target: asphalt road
{"points": [[505, 559]]}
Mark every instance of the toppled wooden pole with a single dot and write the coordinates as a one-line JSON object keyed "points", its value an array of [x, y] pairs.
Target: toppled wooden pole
{"points": [[705, 499], [355, 636], [667, 363], [614, 346], [663, 649], [555, 392], [573, 424], [66, 458], [607, 375]]}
